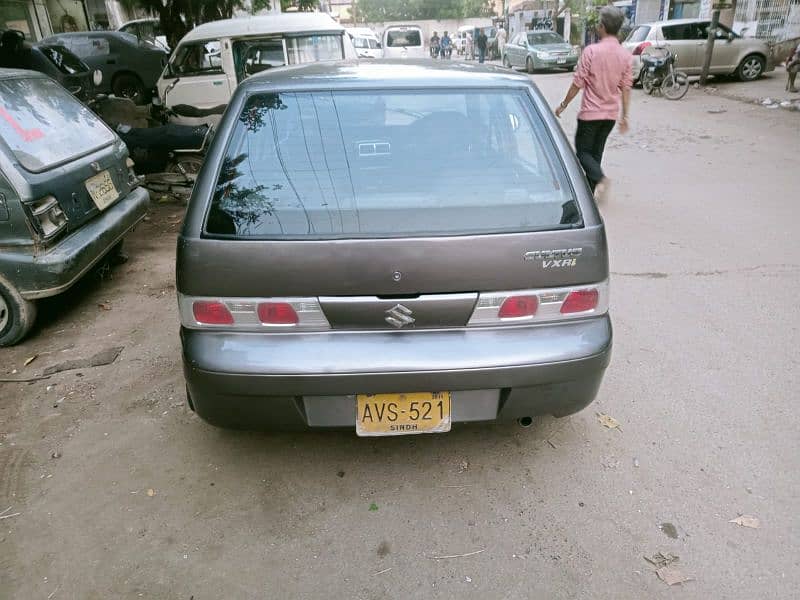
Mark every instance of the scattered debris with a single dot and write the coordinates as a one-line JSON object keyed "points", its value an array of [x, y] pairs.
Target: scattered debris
{"points": [[30, 359], [660, 559], [463, 466], [767, 102], [468, 579], [105, 305], [55, 454], [671, 576], [669, 530], [747, 521], [382, 572], [151, 492], [23, 379], [552, 445], [104, 357], [608, 421], [457, 555], [3, 514], [636, 462], [340, 474], [373, 507], [716, 111]]}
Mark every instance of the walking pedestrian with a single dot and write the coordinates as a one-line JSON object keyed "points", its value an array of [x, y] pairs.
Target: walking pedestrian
{"points": [[604, 75], [481, 44], [501, 41], [792, 68]]}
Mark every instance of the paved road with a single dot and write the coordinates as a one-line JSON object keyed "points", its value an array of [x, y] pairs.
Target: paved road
{"points": [[146, 501]]}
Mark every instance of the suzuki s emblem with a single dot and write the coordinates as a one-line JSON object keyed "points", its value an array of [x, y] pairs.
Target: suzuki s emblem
{"points": [[96, 166], [399, 316]]}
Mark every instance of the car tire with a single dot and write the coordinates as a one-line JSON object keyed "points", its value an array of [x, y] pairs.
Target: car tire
{"points": [[17, 315], [751, 67], [506, 62], [529, 66], [571, 68], [128, 85]]}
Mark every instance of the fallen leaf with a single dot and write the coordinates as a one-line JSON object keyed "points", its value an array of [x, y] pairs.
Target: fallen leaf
{"points": [[30, 359], [608, 421], [151, 492], [373, 507], [671, 576], [659, 559], [105, 305], [747, 521]]}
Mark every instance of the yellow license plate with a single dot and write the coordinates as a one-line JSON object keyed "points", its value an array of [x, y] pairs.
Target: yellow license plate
{"points": [[101, 189], [403, 414]]}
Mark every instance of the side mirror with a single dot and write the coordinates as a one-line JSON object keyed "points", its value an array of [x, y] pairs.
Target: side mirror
{"points": [[731, 36]]}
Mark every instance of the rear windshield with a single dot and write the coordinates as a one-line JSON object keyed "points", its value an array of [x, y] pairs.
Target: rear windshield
{"points": [[397, 38], [44, 125], [384, 164], [639, 34], [64, 60], [546, 37]]}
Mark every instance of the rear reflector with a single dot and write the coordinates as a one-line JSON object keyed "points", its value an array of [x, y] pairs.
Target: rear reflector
{"points": [[641, 48], [209, 312], [580, 301], [277, 313], [519, 307]]}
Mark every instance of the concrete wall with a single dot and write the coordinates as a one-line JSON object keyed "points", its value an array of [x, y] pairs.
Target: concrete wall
{"points": [[428, 26]]}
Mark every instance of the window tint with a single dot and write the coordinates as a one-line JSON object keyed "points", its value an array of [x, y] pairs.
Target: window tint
{"points": [[255, 56], [545, 37], [314, 48], [397, 38], [64, 60], [43, 125], [198, 58], [86, 46], [639, 34], [679, 32], [371, 164]]}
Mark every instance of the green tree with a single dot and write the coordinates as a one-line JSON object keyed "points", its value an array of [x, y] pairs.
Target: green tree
{"points": [[400, 10]]}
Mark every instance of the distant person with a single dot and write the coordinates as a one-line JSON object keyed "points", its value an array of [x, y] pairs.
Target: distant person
{"points": [[469, 52], [435, 45], [501, 41], [481, 43], [792, 68], [446, 46], [604, 75]]}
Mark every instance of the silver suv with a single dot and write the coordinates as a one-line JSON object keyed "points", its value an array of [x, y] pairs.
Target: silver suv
{"points": [[391, 247], [747, 58]]}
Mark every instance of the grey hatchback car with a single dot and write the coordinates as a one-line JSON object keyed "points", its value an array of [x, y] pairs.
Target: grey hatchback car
{"points": [[391, 247]]}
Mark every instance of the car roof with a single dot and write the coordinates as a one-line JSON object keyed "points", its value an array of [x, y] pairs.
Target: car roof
{"points": [[283, 23], [402, 26], [362, 31], [19, 74], [385, 74], [132, 21], [674, 22]]}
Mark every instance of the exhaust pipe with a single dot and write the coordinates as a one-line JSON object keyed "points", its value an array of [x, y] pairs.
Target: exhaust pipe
{"points": [[525, 422]]}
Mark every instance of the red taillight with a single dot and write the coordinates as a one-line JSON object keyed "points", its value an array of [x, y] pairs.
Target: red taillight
{"points": [[211, 312], [641, 48], [515, 307], [277, 313], [580, 301]]}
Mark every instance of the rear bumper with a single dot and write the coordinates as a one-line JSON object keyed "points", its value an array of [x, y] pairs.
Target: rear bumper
{"points": [[302, 381], [54, 271]]}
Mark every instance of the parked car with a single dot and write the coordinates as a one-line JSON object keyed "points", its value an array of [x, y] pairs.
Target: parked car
{"points": [[747, 58], [365, 41], [403, 41], [213, 58], [337, 269], [147, 29], [540, 50], [68, 195], [53, 60], [130, 66], [460, 38]]}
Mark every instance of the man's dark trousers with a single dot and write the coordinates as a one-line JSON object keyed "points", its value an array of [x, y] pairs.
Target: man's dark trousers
{"points": [[590, 141]]}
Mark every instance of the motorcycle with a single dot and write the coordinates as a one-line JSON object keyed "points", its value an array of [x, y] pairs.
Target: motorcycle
{"points": [[659, 75]]}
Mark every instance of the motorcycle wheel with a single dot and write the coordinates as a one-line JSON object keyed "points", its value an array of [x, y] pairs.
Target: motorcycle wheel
{"points": [[648, 83], [675, 85], [186, 164]]}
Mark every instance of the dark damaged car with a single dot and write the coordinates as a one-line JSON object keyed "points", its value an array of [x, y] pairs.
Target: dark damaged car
{"points": [[68, 195]]}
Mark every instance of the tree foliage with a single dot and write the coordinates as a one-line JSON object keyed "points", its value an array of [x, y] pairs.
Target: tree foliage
{"points": [[401, 10], [178, 17]]}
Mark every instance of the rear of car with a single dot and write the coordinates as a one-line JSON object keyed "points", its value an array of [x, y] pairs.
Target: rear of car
{"points": [[365, 42], [403, 41], [68, 194], [336, 269]]}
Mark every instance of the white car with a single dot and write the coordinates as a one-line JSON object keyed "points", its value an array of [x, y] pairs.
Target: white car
{"points": [[403, 41], [365, 41], [748, 58]]}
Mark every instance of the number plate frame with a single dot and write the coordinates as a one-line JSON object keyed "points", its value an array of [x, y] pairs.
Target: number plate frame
{"points": [[102, 190], [403, 414]]}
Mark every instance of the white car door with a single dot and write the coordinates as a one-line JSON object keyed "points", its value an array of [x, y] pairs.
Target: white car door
{"points": [[196, 76]]}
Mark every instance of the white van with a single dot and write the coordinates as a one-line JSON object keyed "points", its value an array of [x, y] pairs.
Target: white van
{"points": [[213, 58], [365, 41], [403, 41]]}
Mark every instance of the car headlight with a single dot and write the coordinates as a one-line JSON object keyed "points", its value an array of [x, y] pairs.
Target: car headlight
{"points": [[542, 54], [575, 50], [97, 77]]}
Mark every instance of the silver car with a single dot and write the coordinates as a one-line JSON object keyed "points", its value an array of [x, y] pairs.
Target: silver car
{"points": [[536, 50], [747, 58], [336, 268]]}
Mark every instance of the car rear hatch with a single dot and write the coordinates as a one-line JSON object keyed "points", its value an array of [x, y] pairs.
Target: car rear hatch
{"points": [[342, 211]]}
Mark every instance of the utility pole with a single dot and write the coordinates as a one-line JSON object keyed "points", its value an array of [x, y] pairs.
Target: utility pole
{"points": [[712, 34]]}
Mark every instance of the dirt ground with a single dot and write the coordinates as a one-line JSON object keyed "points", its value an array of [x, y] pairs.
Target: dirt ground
{"points": [[115, 489]]}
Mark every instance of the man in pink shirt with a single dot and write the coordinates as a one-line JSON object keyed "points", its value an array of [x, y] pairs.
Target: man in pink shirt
{"points": [[604, 75]]}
